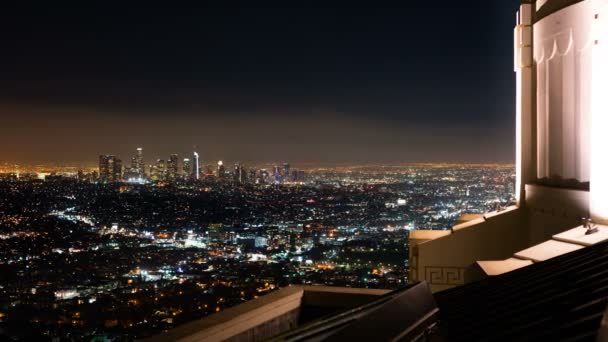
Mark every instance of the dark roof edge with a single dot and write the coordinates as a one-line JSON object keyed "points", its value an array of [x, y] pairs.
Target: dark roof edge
{"points": [[551, 7]]}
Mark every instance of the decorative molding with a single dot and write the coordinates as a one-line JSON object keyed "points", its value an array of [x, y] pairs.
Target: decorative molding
{"points": [[413, 264], [444, 275]]}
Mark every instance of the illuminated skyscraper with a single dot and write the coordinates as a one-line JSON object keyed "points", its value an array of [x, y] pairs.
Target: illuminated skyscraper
{"points": [[158, 171], [263, 176], [240, 174], [172, 167], [277, 175], [139, 162], [286, 171], [104, 168], [117, 171], [252, 176], [221, 171], [134, 165], [195, 166], [110, 168], [186, 166]]}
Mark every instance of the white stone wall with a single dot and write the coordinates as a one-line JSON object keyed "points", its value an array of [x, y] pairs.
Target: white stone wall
{"points": [[563, 48], [598, 192]]}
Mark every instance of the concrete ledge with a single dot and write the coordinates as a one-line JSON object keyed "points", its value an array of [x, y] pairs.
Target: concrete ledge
{"points": [[442, 262], [577, 235], [487, 216], [423, 235], [547, 250], [236, 320], [342, 290], [267, 316], [493, 214], [468, 224], [335, 297], [492, 268]]}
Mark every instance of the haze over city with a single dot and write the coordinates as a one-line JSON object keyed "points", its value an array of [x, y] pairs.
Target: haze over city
{"points": [[332, 85]]}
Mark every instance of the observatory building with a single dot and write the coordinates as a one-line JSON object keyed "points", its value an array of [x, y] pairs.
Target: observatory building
{"points": [[536, 270], [561, 68]]}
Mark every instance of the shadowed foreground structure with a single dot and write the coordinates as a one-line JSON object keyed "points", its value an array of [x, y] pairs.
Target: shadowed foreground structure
{"points": [[560, 299]]}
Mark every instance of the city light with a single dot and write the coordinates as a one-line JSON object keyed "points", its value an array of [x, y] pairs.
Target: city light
{"points": [[144, 242]]}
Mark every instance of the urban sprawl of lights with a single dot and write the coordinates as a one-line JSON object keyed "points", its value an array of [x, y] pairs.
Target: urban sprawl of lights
{"points": [[128, 252]]}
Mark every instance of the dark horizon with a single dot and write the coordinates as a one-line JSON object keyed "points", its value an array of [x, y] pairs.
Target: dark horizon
{"points": [[418, 83]]}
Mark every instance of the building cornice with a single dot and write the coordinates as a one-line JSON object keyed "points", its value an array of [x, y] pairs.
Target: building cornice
{"points": [[551, 7]]}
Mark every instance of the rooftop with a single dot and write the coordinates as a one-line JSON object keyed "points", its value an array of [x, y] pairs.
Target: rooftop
{"points": [[563, 298]]}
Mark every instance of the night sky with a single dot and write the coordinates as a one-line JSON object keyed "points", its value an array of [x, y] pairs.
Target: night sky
{"points": [[431, 81]]}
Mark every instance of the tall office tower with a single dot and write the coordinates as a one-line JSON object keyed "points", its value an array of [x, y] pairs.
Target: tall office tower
{"points": [[158, 171], [243, 175], [110, 177], [277, 175], [110, 168], [140, 162], [162, 167], [172, 167], [221, 171], [104, 168], [196, 172], [186, 166], [240, 174], [252, 176], [263, 176], [286, 173], [237, 170], [134, 165], [117, 170]]}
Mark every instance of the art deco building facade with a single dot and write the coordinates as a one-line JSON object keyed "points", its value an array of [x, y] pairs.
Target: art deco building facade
{"points": [[560, 60], [527, 272]]}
